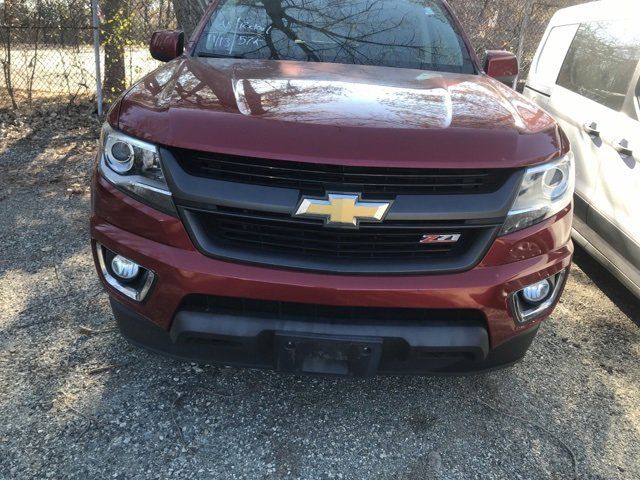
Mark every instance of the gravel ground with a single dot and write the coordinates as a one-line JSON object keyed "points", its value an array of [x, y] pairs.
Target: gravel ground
{"points": [[76, 401]]}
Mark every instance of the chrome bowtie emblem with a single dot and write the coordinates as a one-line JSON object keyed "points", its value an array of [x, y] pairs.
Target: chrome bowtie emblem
{"points": [[448, 238], [342, 209]]}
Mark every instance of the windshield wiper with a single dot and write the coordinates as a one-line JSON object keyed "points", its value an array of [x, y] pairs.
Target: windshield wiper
{"points": [[217, 55]]}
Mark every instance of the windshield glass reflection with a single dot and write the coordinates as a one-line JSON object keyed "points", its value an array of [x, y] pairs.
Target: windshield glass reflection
{"points": [[396, 33]]}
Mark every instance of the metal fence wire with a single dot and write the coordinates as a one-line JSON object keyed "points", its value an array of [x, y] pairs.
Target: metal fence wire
{"points": [[44, 49], [47, 51], [513, 25]]}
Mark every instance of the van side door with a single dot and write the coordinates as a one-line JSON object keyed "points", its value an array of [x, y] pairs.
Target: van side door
{"points": [[616, 210], [597, 84]]}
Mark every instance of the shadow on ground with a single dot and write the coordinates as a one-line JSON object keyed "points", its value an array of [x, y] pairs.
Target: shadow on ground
{"points": [[609, 285]]}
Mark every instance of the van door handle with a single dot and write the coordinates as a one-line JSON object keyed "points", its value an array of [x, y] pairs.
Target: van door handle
{"points": [[591, 128], [623, 148]]}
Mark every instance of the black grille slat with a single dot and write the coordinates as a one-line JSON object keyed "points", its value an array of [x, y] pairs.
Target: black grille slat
{"points": [[332, 239], [320, 178], [329, 236], [312, 312], [364, 226], [274, 232], [308, 169], [346, 181], [383, 253], [248, 168], [312, 245], [352, 184], [328, 243]]}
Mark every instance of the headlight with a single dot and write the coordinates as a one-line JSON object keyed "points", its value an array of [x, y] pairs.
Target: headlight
{"points": [[545, 190], [133, 166]]}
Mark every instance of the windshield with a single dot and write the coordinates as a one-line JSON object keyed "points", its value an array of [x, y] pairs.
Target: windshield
{"points": [[395, 33]]}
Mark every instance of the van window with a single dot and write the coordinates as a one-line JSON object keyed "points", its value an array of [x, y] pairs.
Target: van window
{"points": [[601, 61], [553, 54]]}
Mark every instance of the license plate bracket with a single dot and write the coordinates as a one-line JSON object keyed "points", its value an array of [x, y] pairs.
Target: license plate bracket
{"points": [[327, 355]]}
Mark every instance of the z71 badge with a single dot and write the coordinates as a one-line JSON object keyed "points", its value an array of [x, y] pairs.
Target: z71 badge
{"points": [[448, 238]]}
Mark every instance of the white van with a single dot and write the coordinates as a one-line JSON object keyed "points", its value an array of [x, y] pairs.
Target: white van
{"points": [[586, 73]]}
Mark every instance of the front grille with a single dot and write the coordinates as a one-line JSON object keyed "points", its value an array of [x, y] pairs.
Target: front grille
{"points": [[329, 313], [241, 209], [271, 232], [312, 178]]}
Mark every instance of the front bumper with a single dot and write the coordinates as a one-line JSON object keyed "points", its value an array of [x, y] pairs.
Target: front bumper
{"points": [[245, 342], [161, 323]]}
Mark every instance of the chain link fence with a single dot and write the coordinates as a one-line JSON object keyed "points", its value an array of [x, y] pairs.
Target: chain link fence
{"points": [[47, 51], [44, 49]]}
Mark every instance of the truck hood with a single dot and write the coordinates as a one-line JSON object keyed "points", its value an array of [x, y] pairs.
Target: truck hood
{"points": [[342, 114]]}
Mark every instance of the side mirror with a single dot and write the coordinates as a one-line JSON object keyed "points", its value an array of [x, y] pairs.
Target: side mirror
{"points": [[167, 45], [502, 66]]}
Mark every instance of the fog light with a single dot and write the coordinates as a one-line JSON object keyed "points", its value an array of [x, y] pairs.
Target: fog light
{"points": [[537, 292], [124, 275], [537, 299], [124, 268]]}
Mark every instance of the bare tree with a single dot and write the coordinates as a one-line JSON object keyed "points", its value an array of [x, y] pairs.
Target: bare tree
{"points": [[189, 13], [34, 60], [5, 39], [114, 43]]}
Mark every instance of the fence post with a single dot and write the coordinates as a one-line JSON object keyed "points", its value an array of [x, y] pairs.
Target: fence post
{"points": [[6, 69], [528, 9], [96, 47]]}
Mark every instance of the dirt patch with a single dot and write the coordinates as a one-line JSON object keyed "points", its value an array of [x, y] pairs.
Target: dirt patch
{"points": [[76, 401]]}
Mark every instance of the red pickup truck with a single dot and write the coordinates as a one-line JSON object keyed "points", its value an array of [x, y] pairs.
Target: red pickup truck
{"points": [[332, 187]]}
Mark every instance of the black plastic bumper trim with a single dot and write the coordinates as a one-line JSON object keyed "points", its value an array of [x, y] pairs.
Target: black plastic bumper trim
{"points": [[441, 336], [250, 342]]}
